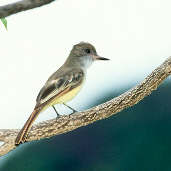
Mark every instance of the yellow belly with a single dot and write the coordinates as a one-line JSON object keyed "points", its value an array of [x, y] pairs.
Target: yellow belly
{"points": [[64, 98]]}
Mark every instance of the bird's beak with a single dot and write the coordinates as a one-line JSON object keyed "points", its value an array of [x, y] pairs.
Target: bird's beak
{"points": [[96, 57]]}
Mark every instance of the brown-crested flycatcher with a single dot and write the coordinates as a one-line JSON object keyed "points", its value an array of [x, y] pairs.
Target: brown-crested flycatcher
{"points": [[64, 84]]}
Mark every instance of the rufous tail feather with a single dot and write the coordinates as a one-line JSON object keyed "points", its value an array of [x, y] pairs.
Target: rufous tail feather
{"points": [[21, 137]]}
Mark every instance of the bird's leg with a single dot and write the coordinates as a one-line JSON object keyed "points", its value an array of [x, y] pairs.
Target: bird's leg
{"points": [[58, 115], [70, 108]]}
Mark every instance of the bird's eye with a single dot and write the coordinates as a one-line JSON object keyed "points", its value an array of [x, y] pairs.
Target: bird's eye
{"points": [[87, 50]]}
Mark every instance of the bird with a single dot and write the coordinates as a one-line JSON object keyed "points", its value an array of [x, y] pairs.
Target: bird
{"points": [[63, 85]]}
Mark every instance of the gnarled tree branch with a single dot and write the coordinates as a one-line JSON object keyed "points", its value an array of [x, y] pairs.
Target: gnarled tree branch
{"points": [[65, 123], [20, 6]]}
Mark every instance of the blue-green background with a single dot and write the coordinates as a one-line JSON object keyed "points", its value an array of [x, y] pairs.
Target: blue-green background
{"points": [[137, 139]]}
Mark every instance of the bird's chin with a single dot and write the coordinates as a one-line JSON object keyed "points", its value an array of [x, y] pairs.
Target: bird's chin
{"points": [[87, 61]]}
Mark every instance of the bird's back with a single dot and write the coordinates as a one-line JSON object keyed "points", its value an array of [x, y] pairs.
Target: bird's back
{"points": [[62, 85]]}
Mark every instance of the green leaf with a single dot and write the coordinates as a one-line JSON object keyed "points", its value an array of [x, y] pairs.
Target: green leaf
{"points": [[4, 21]]}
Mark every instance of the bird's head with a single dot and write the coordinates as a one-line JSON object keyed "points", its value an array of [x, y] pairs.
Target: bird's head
{"points": [[84, 54]]}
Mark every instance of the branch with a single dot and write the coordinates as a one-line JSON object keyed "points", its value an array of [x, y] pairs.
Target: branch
{"points": [[66, 123], [20, 6]]}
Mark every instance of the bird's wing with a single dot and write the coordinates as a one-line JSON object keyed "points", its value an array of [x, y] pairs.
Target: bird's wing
{"points": [[56, 86]]}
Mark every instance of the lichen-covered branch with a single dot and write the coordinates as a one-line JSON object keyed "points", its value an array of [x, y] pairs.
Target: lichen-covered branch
{"points": [[68, 123], [20, 6]]}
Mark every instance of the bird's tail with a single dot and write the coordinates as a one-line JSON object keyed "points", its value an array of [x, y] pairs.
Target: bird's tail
{"points": [[21, 137]]}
